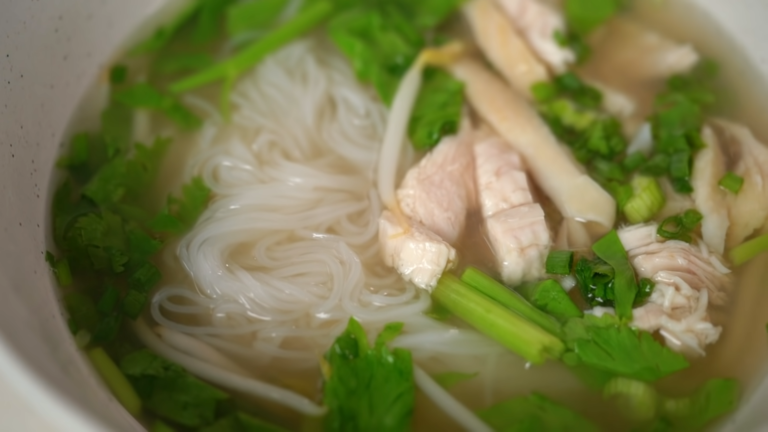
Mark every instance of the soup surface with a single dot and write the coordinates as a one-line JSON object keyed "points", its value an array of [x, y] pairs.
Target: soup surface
{"points": [[267, 124]]}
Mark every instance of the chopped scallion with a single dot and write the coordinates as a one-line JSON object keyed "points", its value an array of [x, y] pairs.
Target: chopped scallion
{"points": [[679, 227], [559, 262], [63, 273], [647, 199], [731, 182], [748, 250]]}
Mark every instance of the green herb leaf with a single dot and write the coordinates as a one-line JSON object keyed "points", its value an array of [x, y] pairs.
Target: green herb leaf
{"points": [[354, 368], [143, 95], [551, 298], [437, 112], [606, 345], [534, 413], [169, 391], [181, 213], [163, 35], [610, 250]]}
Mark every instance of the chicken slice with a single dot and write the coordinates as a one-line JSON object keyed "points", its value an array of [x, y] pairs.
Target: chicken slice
{"points": [[687, 278], [418, 255], [748, 209], [538, 22], [504, 46], [501, 180], [520, 240], [438, 191]]}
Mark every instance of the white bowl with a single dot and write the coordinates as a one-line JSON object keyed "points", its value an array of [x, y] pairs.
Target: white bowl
{"points": [[50, 51]]}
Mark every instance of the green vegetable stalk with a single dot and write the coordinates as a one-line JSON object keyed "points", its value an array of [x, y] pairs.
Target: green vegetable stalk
{"points": [[508, 328]]}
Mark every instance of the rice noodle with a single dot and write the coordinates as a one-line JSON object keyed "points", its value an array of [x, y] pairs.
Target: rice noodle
{"points": [[287, 251]]}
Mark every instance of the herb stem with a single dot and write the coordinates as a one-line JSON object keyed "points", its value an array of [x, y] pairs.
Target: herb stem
{"points": [[254, 53], [115, 380], [494, 320]]}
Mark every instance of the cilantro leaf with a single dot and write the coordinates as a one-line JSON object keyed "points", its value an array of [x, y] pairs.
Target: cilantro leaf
{"points": [[181, 213], [169, 391], [606, 345], [143, 95], [534, 413], [437, 111], [354, 369]]}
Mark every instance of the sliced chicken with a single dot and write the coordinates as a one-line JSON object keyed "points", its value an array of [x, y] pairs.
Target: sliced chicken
{"points": [[516, 226], [419, 255], [504, 46], [501, 180], [520, 240], [709, 197], [748, 209], [688, 277], [538, 22], [635, 61], [438, 191], [551, 164]]}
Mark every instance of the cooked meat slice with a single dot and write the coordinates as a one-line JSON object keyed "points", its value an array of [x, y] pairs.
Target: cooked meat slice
{"points": [[520, 240], [417, 254], [438, 191], [501, 180]]}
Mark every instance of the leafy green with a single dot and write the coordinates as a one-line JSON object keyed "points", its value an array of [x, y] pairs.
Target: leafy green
{"points": [[355, 369], [82, 312], [437, 111], [381, 40], [182, 62], [534, 413], [450, 379], [610, 250], [247, 16], [679, 227], [606, 345], [551, 298], [118, 74], [595, 281], [310, 17], [583, 16], [181, 213], [169, 391], [144, 95]]}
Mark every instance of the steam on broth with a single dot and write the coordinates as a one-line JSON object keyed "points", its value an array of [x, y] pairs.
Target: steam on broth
{"points": [[510, 234]]}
